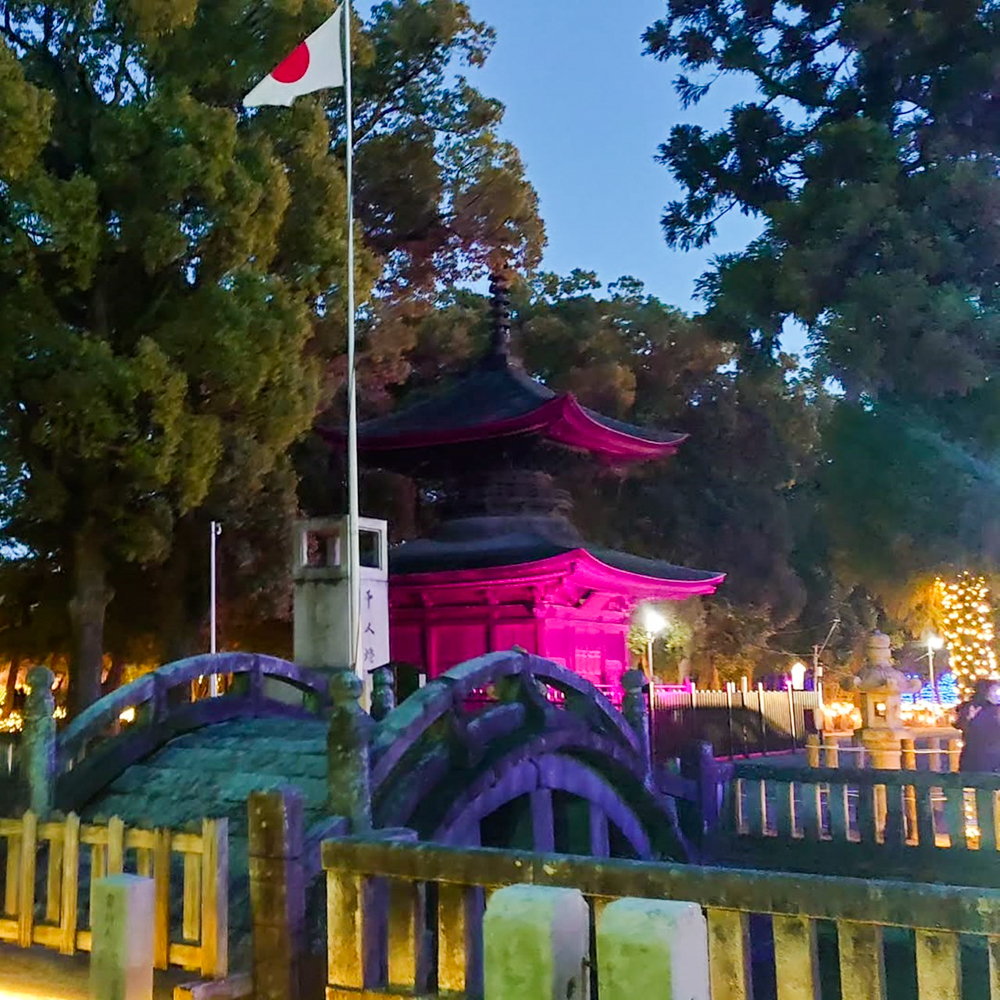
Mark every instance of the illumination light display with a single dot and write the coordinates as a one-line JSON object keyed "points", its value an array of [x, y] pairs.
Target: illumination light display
{"points": [[967, 625]]}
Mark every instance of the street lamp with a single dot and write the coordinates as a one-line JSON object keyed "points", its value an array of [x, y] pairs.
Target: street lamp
{"points": [[933, 642], [798, 676], [654, 623]]}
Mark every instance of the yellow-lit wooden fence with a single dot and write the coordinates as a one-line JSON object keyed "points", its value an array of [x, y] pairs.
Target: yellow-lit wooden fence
{"points": [[42, 869]]}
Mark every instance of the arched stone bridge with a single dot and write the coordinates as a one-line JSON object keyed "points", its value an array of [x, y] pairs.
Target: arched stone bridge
{"points": [[521, 767]]}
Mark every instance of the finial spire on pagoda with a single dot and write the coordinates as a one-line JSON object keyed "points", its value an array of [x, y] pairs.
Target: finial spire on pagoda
{"points": [[501, 316]]}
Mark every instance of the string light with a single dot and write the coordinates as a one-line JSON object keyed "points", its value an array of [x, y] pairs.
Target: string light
{"points": [[968, 629]]}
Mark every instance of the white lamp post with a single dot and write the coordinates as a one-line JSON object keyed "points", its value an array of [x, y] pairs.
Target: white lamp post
{"points": [[933, 642], [654, 623]]}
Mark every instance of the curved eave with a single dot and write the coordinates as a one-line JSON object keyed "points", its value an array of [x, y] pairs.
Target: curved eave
{"points": [[561, 419], [585, 569]]}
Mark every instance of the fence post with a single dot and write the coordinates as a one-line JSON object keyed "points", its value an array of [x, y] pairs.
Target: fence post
{"points": [[40, 741], [383, 692], [536, 942], [652, 948], [215, 898], [277, 892], [121, 958], [954, 754], [698, 764], [812, 750], [635, 708], [934, 757], [348, 788]]}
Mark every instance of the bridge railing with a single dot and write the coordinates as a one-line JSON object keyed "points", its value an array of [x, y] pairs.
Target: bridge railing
{"points": [[867, 821], [818, 937], [132, 722], [190, 872]]}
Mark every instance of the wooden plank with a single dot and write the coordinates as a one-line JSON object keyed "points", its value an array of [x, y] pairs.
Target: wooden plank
{"points": [[191, 930], [144, 862], [26, 882], [988, 819], [116, 846], [345, 943], [894, 831], [98, 869], [729, 954], [796, 958], [755, 809], [47, 937], [161, 917], [939, 965], [840, 827], [94, 835], [185, 956], [71, 885], [407, 922], [185, 843], [925, 817], [8, 931], [84, 941], [868, 815], [53, 881], [784, 818], [994, 950], [215, 898], [13, 870], [812, 814], [453, 937], [140, 840], [862, 961], [954, 817]]}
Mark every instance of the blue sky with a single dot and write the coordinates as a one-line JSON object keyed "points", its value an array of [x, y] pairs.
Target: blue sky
{"points": [[588, 110]]}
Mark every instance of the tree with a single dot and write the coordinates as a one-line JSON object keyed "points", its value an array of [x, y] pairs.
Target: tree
{"points": [[869, 153], [168, 269]]}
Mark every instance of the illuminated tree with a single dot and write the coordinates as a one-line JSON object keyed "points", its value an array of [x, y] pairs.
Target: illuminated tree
{"points": [[967, 625]]}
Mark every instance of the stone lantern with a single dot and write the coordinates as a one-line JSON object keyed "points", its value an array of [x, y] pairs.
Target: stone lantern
{"points": [[880, 686]]}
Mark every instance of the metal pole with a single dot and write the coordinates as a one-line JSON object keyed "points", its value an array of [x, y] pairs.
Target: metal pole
{"points": [[652, 693], [930, 661], [215, 531], [353, 503]]}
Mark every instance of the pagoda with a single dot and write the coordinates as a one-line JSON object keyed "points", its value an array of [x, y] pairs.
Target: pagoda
{"points": [[505, 566]]}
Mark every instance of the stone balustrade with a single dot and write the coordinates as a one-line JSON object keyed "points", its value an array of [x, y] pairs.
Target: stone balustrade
{"points": [[409, 919]]}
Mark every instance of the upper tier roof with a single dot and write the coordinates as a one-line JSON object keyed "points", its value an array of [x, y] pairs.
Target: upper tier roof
{"points": [[497, 399]]}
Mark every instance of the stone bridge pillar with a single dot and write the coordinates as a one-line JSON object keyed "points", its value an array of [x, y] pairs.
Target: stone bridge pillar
{"points": [[39, 760]]}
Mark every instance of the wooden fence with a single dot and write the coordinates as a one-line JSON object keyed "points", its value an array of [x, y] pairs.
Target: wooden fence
{"points": [[735, 722], [60, 857], [934, 826], [406, 919]]}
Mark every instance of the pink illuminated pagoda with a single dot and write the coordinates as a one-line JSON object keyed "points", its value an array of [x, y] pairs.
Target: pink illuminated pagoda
{"points": [[505, 566]]}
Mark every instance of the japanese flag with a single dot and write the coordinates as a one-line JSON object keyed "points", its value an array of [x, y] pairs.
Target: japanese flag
{"points": [[315, 65]]}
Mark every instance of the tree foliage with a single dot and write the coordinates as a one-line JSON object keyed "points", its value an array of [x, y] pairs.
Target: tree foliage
{"points": [[869, 152]]}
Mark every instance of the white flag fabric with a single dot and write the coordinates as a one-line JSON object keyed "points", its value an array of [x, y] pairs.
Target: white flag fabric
{"points": [[315, 65]]}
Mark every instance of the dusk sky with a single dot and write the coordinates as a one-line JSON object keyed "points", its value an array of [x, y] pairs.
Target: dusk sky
{"points": [[587, 110]]}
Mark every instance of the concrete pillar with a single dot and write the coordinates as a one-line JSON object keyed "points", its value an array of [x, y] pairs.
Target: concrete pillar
{"points": [[277, 892], [40, 741], [122, 922], [348, 779], [650, 949], [635, 708], [536, 943]]}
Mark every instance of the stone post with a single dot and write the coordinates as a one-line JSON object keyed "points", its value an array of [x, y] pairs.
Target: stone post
{"points": [[122, 922], [536, 940], [277, 892], [698, 763], [652, 948], [383, 692], [348, 788], [635, 708], [812, 750], [40, 742]]}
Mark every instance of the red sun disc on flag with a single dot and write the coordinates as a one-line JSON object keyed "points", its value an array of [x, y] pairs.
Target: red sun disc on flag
{"points": [[293, 67]]}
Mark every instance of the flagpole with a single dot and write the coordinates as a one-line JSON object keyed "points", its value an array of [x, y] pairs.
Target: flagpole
{"points": [[353, 503]]}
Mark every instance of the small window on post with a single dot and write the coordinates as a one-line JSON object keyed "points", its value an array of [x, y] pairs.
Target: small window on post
{"points": [[321, 549], [370, 549]]}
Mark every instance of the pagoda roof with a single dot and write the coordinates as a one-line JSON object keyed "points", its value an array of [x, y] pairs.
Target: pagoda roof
{"points": [[523, 555], [496, 399]]}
